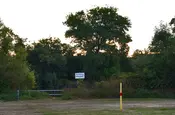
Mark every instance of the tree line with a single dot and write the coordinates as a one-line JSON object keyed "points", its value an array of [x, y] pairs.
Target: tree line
{"points": [[101, 36]]}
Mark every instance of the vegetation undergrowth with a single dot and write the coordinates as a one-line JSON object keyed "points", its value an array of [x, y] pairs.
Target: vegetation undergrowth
{"points": [[24, 95], [110, 89]]}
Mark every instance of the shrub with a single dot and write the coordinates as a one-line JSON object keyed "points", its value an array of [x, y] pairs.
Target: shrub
{"points": [[33, 95], [145, 93], [101, 93], [66, 95], [105, 89], [10, 96], [110, 89], [128, 93], [24, 95], [142, 93]]}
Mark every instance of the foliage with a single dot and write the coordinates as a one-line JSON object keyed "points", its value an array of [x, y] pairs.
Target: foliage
{"points": [[8, 96], [14, 70], [156, 67], [130, 90], [27, 95], [101, 35], [172, 23], [99, 28], [161, 66], [66, 96], [47, 58], [24, 95]]}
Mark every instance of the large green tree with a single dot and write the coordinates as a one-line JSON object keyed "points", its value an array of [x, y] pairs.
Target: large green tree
{"points": [[14, 69], [99, 29], [161, 39], [160, 71], [48, 58], [102, 33]]}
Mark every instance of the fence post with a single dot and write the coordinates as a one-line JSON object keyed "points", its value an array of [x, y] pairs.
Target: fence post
{"points": [[17, 94]]}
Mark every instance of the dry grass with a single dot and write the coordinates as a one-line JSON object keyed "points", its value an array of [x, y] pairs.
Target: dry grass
{"points": [[89, 107], [136, 111]]}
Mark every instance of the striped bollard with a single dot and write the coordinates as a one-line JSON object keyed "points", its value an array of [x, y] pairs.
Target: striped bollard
{"points": [[121, 106]]}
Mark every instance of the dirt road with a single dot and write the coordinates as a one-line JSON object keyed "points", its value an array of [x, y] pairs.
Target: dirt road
{"points": [[35, 107]]}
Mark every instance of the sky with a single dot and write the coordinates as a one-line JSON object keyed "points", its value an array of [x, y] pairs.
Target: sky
{"points": [[36, 19]]}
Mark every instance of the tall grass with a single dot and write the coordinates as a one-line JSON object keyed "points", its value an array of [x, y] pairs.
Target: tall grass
{"points": [[110, 89], [24, 95]]}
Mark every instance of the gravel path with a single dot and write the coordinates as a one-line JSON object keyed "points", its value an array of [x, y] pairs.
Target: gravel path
{"points": [[34, 107]]}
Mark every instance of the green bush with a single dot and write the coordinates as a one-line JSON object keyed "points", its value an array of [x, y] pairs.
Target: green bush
{"points": [[104, 93], [33, 95], [145, 93], [105, 89], [24, 95], [110, 89], [101, 89], [10, 96], [164, 93], [66, 96], [80, 93], [128, 93]]}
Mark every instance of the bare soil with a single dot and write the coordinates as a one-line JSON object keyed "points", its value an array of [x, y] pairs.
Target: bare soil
{"points": [[35, 107]]}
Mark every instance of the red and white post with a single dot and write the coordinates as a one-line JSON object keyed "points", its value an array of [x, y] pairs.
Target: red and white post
{"points": [[121, 106]]}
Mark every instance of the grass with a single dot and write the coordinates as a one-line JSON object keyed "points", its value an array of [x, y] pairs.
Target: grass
{"points": [[24, 95], [118, 99], [132, 111]]}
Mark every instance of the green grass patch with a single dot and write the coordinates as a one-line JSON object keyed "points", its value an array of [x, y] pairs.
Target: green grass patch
{"points": [[8, 96], [24, 95]]}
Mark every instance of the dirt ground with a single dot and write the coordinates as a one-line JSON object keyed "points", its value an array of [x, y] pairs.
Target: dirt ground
{"points": [[35, 107]]}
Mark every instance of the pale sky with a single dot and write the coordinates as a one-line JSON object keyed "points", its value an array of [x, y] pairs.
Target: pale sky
{"points": [[36, 19]]}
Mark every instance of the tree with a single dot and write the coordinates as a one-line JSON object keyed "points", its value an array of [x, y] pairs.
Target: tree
{"points": [[48, 59], [138, 52], [97, 29], [67, 50], [172, 23], [161, 38], [102, 33], [14, 70], [160, 71]]}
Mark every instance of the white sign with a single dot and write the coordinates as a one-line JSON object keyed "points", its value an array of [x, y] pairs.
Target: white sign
{"points": [[79, 75]]}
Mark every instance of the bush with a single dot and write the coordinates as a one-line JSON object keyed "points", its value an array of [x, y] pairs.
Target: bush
{"points": [[110, 89], [101, 93], [33, 95], [24, 95], [66, 96], [10, 96], [145, 93], [105, 89], [129, 93], [99, 90], [80, 93]]}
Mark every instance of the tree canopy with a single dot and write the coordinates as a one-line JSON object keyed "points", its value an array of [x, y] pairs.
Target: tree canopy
{"points": [[98, 29], [102, 33], [15, 72]]}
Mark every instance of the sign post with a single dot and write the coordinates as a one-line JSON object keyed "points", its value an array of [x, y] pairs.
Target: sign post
{"points": [[121, 106], [17, 95], [79, 76]]}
